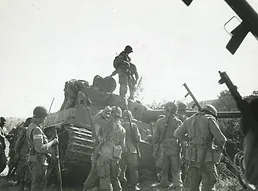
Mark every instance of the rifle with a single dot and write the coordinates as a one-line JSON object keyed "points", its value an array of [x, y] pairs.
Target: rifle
{"points": [[57, 157], [93, 130], [196, 103], [249, 22], [59, 176], [250, 130], [133, 133], [242, 105], [157, 147]]}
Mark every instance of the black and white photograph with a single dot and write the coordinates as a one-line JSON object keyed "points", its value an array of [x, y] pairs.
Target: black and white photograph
{"points": [[119, 95]]}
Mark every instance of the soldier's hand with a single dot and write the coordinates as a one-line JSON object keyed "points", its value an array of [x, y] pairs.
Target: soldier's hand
{"points": [[54, 141]]}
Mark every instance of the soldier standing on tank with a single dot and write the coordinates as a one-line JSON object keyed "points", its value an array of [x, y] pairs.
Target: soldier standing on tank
{"points": [[170, 146], [3, 159], [39, 147], [127, 72], [201, 131], [21, 150], [113, 139], [101, 120], [130, 157]]}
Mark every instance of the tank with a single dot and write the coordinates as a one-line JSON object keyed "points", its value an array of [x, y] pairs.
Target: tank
{"points": [[74, 131]]}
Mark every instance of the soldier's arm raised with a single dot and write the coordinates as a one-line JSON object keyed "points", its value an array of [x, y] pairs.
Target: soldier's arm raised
{"points": [[220, 139], [181, 131], [39, 145]]}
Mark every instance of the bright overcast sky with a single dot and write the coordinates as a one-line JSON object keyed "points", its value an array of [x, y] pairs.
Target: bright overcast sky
{"points": [[44, 43]]}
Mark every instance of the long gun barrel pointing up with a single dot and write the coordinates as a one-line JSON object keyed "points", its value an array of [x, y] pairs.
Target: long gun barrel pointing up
{"points": [[196, 103]]}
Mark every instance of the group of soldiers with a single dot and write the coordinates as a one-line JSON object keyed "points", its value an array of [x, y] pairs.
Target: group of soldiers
{"points": [[187, 149], [197, 141]]}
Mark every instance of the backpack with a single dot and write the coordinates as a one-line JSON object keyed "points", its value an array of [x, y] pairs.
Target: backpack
{"points": [[116, 62]]}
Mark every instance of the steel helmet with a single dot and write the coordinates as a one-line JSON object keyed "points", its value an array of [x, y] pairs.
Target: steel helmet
{"points": [[171, 106], [127, 114], [211, 109], [40, 112], [116, 111], [128, 49], [181, 106], [3, 120]]}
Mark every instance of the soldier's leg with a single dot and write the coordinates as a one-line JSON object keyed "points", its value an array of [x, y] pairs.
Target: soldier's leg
{"points": [[115, 171], [194, 176], [104, 173], [123, 90], [164, 172], [123, 167], [91, 179], [186, 181], [38, 175], [176, 171], [3, 162], [133, 168], [209, 176], [132, 91]]}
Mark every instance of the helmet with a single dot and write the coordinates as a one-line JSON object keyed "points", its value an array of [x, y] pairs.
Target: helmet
{"points": [[128, 49], [39, 112], [3, 120], [211, 109], [171, 106], [127, 114], [116, 111], [181, 106]]}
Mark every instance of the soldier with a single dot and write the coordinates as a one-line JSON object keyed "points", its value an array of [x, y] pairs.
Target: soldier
{"points": [[39, 147], [250, 145], [201, 131], [101, 120], [130, 157], [3, 158], [12, 163], [170, 146], [70, 94], [113, 139], [127, 72], [181, 113], [21, 150]]}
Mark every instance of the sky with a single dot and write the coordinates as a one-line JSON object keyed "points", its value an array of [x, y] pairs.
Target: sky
{"points": [[45, 43]]}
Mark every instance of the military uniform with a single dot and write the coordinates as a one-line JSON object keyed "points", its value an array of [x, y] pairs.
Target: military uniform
{"points": [[170, 155], [130, 157], [201, 130], [113, 138], [127, 73], [101, 120], [3, 159], [39, 147], [21, 150]]}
